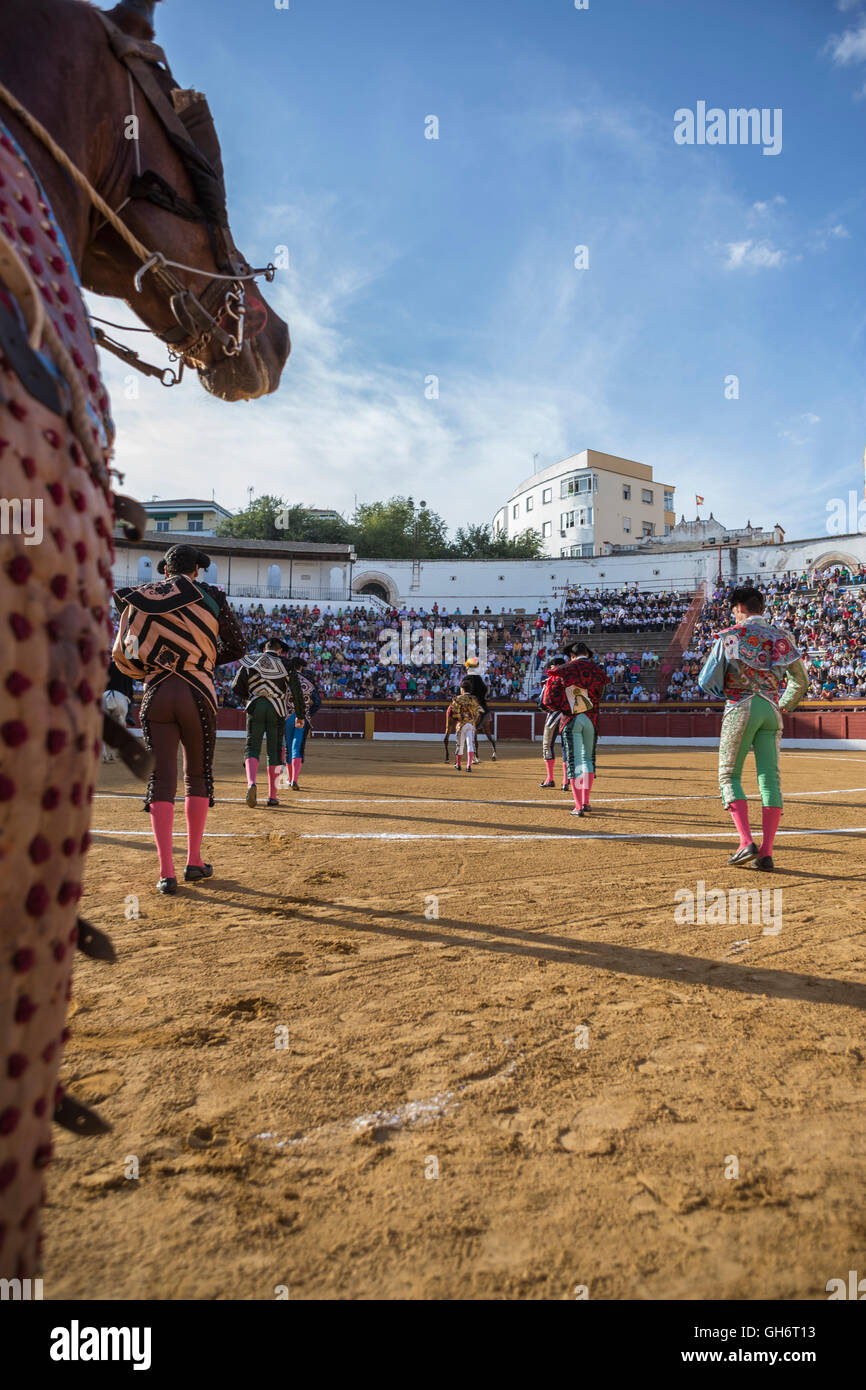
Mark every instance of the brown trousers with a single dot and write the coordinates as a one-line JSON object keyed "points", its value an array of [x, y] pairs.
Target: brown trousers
{"points": [[175, 716]]}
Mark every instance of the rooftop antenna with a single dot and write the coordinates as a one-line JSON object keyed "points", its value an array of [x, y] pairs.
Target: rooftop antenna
{"points": [[534, 467]]}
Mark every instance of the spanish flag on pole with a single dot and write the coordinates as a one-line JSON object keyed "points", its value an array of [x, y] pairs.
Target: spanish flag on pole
{"points": [[699, 500]]}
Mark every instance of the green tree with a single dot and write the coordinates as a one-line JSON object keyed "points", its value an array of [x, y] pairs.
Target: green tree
{"points": [[478, 542], [272, 519], [258, 522], [387, 531]]}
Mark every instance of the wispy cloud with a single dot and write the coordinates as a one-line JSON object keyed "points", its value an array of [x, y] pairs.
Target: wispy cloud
{"points": [[761, 210], [826, 237], [755, 255], [797, 432], [849, 47]]}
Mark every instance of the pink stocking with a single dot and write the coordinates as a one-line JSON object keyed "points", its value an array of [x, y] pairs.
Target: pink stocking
{"points": [[770, 824], [550, 764], [296, 769], [740, 812], [196, 814], [577, 793], [162, 821], [273, 774], [252, 767]]}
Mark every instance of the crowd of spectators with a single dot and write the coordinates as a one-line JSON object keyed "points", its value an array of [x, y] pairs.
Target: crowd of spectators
{"points": [[629, 609], [826, 616], [358, 653]]}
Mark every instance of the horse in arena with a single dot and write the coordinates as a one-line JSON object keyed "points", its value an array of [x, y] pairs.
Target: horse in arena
{"points": [[111, 178]]}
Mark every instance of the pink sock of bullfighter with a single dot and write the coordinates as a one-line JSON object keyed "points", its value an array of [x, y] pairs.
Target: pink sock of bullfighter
{"points": [[273, 774], [296, 769], [590, 778], [196, 808], [769, 824], [162, 821], [550, 764], [576, 793], [252, 767], [740, 812]]}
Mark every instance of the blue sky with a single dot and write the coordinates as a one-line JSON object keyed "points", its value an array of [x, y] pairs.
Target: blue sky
{"points": [[454, 257]]}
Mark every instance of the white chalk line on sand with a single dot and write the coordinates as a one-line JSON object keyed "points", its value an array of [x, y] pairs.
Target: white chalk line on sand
{"points": [[576, 837], [461, 800], [409, 1113]]}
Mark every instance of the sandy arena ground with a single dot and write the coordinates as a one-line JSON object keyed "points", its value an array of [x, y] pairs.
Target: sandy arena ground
{"points": [[420, 1045]]}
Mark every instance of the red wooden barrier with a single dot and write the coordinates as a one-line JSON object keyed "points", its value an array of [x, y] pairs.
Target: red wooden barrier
{"points": [[615, 721]]}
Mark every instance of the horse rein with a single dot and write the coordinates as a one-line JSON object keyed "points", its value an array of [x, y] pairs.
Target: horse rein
{"points": [[197, 317]]}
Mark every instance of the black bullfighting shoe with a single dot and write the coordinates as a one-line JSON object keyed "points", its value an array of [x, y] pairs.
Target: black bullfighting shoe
{"points": [[745, 855], [193, 872]]}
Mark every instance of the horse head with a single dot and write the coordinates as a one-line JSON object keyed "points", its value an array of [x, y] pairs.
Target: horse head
{"points": [[162, 171]]}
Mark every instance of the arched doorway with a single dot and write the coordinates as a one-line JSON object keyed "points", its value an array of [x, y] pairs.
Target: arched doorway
{"points": [[376, 590], [377, 585], [145, 569], [274, 577], [337, 582], [831, 559]]}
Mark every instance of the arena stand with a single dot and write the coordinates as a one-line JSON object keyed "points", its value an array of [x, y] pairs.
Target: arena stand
{"points": [[631, 631], [826, 615]]}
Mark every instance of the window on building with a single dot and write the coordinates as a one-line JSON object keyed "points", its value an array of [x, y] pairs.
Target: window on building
{"points": [[669, 501], [515, 510], [566, 520], [626, 492], [547, 495], [195, 521], [647, 496], [584, 482], [530, 503], [546, 528], [667, 529], [162, 525], [648, 528], [626, 525]]}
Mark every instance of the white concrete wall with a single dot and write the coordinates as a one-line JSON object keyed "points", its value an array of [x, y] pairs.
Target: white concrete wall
{"points": [[526, 584]]}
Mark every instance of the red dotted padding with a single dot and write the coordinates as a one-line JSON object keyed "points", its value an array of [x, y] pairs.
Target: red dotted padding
{"points": [[29, 225], [54, 600]]}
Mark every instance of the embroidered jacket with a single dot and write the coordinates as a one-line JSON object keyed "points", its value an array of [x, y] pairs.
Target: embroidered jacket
{"points": [[755, 658], [464, 709], [176, 627], [583, 672], [266, 677]]}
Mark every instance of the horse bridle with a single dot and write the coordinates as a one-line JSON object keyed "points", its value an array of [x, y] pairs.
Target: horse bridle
{"points": [[198, 317]]}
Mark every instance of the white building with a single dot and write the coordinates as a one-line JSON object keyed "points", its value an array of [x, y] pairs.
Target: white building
{"points": [[587, 502]]}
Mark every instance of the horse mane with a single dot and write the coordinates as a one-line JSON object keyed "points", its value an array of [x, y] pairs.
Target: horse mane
{"points": [[134, 17]]}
